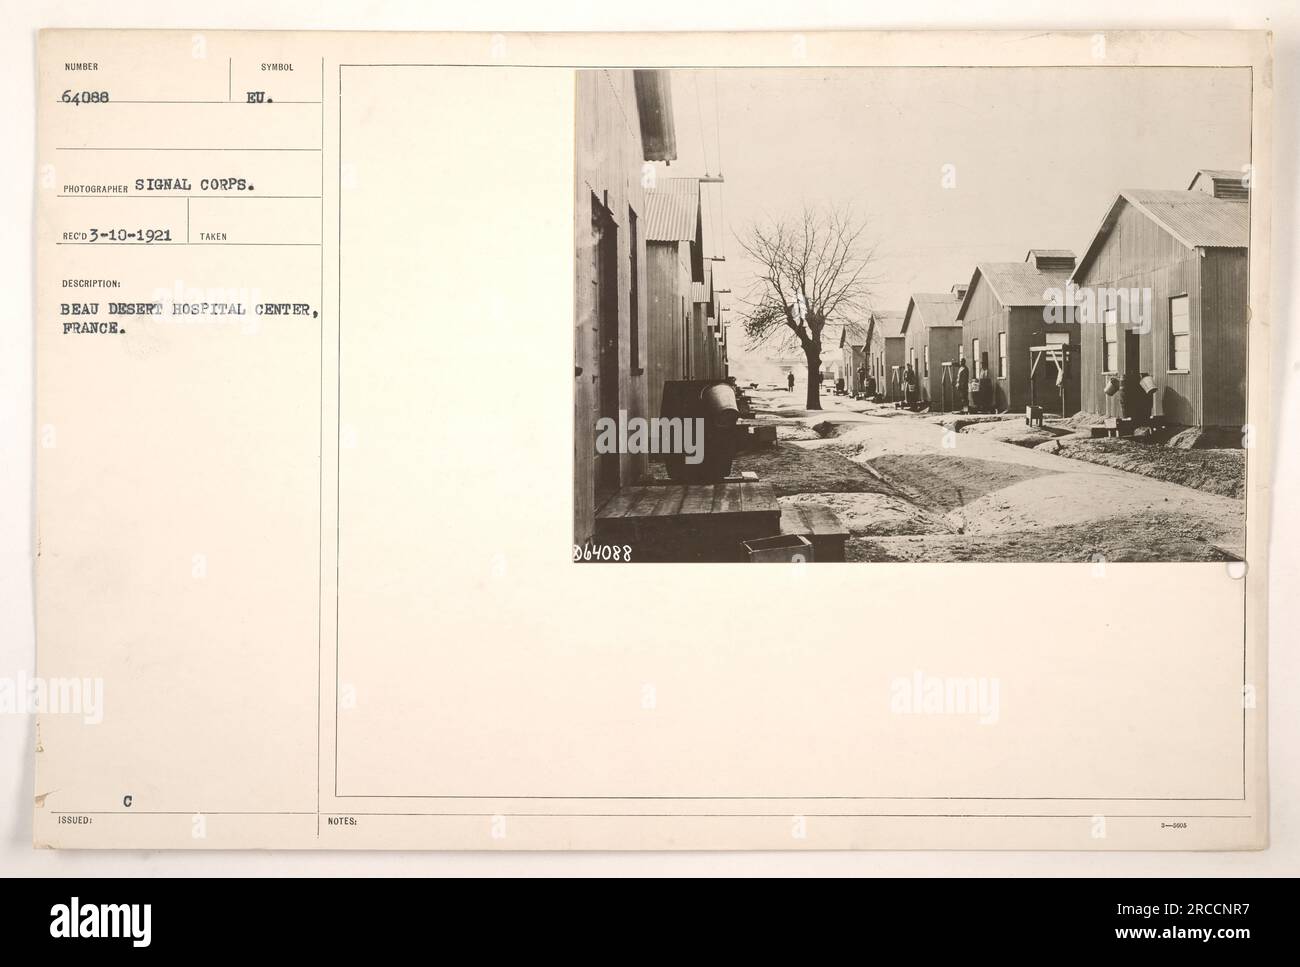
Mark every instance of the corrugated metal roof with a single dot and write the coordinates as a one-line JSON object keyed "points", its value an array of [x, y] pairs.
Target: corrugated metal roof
{"points": [[698, 292], [932, 309], [854, 334], [1194, 218], [1216, 174], [672, 210], [1017, 283], [887, 323]]}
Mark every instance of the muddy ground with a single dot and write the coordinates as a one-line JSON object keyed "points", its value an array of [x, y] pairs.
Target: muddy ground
{"points": [[921, 487]]}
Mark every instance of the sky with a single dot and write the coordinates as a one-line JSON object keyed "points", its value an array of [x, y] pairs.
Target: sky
{"points": [[1038, 155]]}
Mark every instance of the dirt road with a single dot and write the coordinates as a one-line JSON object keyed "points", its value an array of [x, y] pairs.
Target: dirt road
{"points": [[908, 489]]}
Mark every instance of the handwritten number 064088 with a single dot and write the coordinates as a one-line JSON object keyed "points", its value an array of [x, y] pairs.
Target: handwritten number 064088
{"points": [[602, 552]]}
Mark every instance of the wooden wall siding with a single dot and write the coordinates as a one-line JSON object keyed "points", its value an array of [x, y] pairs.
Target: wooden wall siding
{"points": [[914, 344], [853, 357], [943, 342], [680, 344], [892, 352], [1140, 254], [705, 363], [1027, 329], [667, 276], [609, 162], [1224, 298], [985, 318]]}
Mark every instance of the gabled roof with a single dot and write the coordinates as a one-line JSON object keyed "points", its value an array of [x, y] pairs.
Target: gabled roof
{"points": [[1215, 173], [854, 335], [1194, 218], [1221, 183], [672, 210], [887, 323], [932, 309], [1016, 283]]}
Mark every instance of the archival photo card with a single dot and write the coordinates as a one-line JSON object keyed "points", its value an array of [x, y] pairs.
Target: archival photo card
{"points": [[355, 352]]}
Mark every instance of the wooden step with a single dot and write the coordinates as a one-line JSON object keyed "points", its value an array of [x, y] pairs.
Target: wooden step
{"points": [[820, 525]]}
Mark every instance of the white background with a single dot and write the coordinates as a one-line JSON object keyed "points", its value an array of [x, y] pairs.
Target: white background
{"points": [[16, 233]]}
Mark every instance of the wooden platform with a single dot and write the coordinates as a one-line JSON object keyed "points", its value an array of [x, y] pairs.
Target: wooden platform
{"points": [[1113, 427], [689, 522], [819, 524]]}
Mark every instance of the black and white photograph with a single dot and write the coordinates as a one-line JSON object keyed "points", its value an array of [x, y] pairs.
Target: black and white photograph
{"points": [[912, 314]]}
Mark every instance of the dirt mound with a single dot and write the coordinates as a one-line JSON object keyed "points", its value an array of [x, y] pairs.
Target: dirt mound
{"points": [[795, 431], [960, 421], [1129, 537], [1015, 432], [1082, 420], [1207, 438], [1221, 472], [948, 481], [793, 469], [879, 515]]}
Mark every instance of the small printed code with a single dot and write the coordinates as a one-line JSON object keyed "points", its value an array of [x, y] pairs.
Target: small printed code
{"points": [[602, 552]]}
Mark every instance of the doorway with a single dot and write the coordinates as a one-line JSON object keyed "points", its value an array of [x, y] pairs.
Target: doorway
{"points": [[604, 233], [1132, 353]]}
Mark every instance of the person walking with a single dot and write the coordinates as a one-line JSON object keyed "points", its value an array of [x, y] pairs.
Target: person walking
{"points": [[789, 381]]}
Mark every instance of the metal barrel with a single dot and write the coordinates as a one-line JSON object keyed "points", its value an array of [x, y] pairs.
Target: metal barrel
{"points": [[720, 407]]}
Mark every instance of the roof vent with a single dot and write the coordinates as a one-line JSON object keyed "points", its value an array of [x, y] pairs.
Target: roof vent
{"points": [[1230, 185], [1051, 259]]}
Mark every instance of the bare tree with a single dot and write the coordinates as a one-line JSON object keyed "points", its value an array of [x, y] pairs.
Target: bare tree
{"points": [[814, 270]]}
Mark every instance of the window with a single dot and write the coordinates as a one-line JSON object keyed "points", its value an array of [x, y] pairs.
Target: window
{"points": [[633, 299], [1002, 355], [926, 371], [1110, 341], [975, 355], [1180, 334]]}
